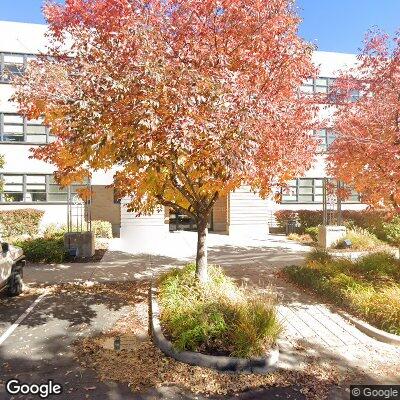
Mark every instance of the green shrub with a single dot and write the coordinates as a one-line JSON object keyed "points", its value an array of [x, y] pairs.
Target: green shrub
{"points": [[256, 327], [383, 309], [308, 218], [321, 256], [14, 223], [54, 230], [43, 250], [360, 239], [379, 264], [313, 232], [377, 222], [390, 231], [102, 229], [207, 317]]}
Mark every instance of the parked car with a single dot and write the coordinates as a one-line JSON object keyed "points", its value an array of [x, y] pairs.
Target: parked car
{"points": [[12, 263]]}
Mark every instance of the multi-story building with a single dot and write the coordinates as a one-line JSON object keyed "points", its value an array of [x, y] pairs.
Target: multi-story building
{"points": [[28, 183]]}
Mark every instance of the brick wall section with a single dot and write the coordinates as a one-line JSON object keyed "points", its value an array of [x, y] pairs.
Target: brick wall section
{"points": [[104, 208], [220, 215]]}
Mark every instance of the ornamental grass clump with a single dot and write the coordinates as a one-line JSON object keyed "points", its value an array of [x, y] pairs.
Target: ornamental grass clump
{"points": [[369, 287], [218, 317], [360, 239]]}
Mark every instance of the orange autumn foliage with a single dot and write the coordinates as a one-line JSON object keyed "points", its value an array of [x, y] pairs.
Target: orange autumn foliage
{"points": [[186, 100], [366, 153]]}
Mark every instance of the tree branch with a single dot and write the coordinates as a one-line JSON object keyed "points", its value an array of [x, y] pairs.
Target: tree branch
{"points": [[175, 206]]}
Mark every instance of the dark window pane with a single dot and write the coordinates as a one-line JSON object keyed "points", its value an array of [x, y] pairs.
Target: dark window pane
{"points": [[33, 196], [13, 197], [13, 69], [7, 137]]}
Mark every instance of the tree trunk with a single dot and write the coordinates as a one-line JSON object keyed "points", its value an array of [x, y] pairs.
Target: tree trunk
{"points": [[201, 257]]}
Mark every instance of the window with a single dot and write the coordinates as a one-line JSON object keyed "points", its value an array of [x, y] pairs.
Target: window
{"points": [[15, 128], [354, 95], [13, 64], [34, 188], [13, 188], [56, 193], [310, 190], [12, 128], [322, 85], [326, 137], [318, 85]]}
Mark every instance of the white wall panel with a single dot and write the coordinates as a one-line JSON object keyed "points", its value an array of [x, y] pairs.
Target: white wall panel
{"points": [[248, 214], [141, 232], [22, 37], [6, 105], [17, 160]]}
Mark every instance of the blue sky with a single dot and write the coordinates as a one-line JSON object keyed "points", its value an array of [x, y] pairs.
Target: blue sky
{"points": [[334, 25]]}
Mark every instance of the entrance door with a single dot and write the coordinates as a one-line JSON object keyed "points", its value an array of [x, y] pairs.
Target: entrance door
{"points": [[182, 222]]}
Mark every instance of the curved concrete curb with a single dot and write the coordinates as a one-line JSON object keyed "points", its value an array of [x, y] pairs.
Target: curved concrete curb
{"points": [[221, 363], [371, 331]]}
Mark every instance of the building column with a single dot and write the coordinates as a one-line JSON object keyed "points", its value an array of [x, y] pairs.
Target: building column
{"points": [[248, 214], [140, 232], [220, 215]]}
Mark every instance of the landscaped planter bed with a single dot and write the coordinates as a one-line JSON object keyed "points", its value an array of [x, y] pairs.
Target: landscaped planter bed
{"points": [[221, 363], [367, 288], [355, 254], [217, 323]]}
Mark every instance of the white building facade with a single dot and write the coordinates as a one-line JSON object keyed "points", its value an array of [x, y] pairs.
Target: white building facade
{"points": [[29, 183]]}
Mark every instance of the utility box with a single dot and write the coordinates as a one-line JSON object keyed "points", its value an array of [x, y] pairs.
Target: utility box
{"points": [[79, 244], [328, 235]]}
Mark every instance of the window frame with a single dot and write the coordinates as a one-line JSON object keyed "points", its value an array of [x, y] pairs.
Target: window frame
{"points": [[313, 193], [25, 133], [25, 57], [324, 144], [314, 84], [69, 192]]}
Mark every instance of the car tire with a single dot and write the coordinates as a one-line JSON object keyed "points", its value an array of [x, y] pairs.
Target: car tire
{"points": [[15, 284]]}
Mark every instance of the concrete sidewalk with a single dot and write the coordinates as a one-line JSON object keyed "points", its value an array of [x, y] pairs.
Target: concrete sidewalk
{"points": [[244, 257]]}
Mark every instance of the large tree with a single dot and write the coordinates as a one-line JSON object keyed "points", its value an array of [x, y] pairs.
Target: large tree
{"points": [[366, 153], [188, 99]]}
